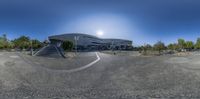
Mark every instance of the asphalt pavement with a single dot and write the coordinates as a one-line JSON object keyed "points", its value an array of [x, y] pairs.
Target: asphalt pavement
{"points": [[112, 77]]}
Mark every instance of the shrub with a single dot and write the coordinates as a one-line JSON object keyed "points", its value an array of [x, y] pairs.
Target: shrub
{"points": [[67, 45]]}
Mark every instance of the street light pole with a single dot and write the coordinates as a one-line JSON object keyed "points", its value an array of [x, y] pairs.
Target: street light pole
{"points": [[76, 38], [75, 43], [31, 48]]}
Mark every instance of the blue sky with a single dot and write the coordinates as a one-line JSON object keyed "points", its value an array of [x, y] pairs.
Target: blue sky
{"points": [[142, 21]]}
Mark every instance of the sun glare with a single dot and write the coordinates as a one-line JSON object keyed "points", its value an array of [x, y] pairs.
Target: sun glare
{"points": [[99, 33]]}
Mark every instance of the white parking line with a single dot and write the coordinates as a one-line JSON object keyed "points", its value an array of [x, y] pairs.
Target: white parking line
{"points": [[39, 51], [71, 70], [14, 56], [84, 67]]}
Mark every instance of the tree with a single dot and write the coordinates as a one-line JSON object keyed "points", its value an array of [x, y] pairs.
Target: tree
{"points": [[36, 44], [159, 46], [11, 45], [148, 46], [67, 45], [197, 45], [189, 45], [3, 42], [181, 43], [23, 42], [5, 37], [171, 46], [145, 48]]}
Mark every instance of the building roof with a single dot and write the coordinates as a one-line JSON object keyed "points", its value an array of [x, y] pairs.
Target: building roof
{"points": [[71, 35], [111, 39]]}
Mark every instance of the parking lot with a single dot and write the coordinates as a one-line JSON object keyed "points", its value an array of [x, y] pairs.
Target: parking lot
{"points": [[112, 76]]}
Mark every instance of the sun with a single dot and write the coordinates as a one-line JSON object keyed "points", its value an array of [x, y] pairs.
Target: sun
{"points": [[100, 33]]}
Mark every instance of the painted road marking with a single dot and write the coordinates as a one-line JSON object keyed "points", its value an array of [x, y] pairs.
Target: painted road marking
{"points": [[40, 50], [14, 56], [86, 66], [71, 70]]}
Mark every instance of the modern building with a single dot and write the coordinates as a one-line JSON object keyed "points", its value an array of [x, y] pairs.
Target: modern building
{"points": [[82, 42], [118, 44], [89, 42]]}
